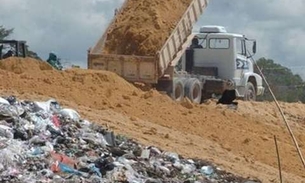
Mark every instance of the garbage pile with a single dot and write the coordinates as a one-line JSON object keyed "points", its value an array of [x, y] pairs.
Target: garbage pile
{"points": [[44, 142]]}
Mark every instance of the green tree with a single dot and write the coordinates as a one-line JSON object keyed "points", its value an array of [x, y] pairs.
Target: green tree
{"points": [[5, 33], [32, 54], [285, 85]]}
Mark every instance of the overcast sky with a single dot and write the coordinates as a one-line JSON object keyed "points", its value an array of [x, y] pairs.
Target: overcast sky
{"points": [[70, 27]]}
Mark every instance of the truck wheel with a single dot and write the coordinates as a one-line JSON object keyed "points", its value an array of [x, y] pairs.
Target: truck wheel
{"points": [[193, 90], [178, 90], [250, 93]]}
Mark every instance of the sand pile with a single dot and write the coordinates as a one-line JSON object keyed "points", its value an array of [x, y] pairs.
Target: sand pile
{"points": [[143, 26], [21, 65], [244, 136], [91, 88]]}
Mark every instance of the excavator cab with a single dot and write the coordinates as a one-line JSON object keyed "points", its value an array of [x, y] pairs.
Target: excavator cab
{"points": [[54, 61], [9, 48]]}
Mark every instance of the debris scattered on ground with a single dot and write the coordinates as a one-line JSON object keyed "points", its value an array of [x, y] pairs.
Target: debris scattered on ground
{"points": [[44, 142]]}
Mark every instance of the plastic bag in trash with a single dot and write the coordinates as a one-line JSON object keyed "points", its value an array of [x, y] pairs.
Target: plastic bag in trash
{"points": [[63, 159], [188, 168], [21, 133], [48, 106], [94, 169], [55, 121], [12, 100], [36, 151], [39, 122], [145, 154], [207, 170], [95, 138], [8, 110], [61, 167], [4, 101], [12, 154], [37, 140], [70, 114], [6, 132], [46, 173], [172, 156]]}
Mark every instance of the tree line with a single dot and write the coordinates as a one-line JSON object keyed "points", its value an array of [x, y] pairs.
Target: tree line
{"points": [[286, 86]]}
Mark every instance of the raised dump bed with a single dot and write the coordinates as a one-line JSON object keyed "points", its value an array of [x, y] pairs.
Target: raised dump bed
{"points": [[144, 40]]}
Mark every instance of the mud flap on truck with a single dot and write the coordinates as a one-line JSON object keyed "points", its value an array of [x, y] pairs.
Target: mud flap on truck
{"points": [[165, 83], [165, 86], [227, 97]]}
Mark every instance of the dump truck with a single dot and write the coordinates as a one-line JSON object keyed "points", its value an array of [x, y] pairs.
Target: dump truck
{"points": [[194, 65]]}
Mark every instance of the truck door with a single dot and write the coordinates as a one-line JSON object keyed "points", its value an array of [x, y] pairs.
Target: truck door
{"points": [[242, 63]]}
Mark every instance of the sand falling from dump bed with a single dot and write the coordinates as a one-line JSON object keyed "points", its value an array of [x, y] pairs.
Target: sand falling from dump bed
{"points": [[143, 26]]}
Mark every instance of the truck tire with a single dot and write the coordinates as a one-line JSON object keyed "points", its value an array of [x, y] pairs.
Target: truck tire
{"points": [[193, 90], [250, 93], [178, 90]]}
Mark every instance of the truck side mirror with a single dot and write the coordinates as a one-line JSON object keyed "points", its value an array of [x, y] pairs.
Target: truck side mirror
{"points": [[254, 47]]}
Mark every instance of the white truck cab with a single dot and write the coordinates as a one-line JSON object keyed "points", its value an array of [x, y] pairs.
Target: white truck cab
{"points": [[218, 54]]}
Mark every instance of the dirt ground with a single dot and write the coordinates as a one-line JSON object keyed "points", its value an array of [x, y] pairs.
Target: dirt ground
{"points": [[240, 141], [142, 27]]}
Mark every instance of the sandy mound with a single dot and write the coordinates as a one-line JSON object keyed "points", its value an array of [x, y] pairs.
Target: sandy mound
{"points": [[21, 65], [143, 26], [91, 88], [239, 140]]}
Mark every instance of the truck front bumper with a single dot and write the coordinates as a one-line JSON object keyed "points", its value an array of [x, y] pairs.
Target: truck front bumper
{"points": [[260, 90]]}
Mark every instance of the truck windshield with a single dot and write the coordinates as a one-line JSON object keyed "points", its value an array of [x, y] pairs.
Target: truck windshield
{"points": [[219, 43], [240, 47]]}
